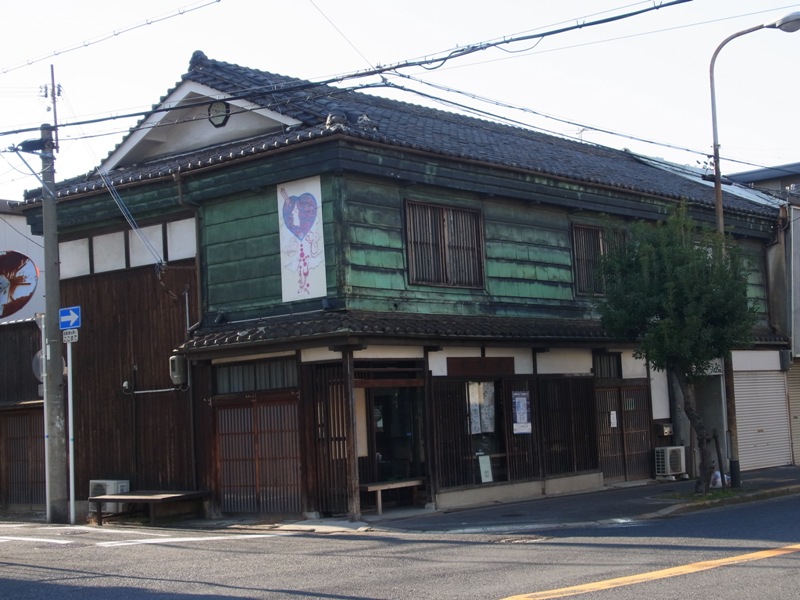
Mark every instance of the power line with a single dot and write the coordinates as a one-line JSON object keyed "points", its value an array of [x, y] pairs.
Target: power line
{"points": [[438, 61], [339, 31], [112, 34], [428, 63]]}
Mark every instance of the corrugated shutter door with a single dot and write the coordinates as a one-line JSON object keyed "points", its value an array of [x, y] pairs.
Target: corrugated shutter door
{"points": [[793, 378], [762, 419]]}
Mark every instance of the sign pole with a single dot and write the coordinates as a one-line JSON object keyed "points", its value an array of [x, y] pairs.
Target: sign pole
{"points": [[69, 319], [71, 422]]}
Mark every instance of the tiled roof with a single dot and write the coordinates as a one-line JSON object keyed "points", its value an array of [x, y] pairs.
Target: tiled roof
{"points": [[333, 326], [325, 110]]}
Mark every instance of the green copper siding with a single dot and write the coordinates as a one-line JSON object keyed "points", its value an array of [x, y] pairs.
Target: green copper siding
{"points": [[240, 244], [241, 254], [528, 267]]}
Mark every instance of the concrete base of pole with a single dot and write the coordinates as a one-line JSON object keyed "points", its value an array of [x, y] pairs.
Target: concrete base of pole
{"points": [[736, 474]]}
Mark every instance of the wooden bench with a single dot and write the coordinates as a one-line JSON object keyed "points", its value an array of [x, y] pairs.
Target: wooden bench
{"points": [[379, 486], [151, 498]]}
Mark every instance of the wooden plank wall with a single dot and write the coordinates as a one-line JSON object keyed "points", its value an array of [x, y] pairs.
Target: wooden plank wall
{"points": [[19, 343], [132, 320]]}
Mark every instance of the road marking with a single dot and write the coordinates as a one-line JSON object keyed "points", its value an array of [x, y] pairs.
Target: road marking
{"points": [[654, 575], [182, 540], [7, 538], [107, 530]]}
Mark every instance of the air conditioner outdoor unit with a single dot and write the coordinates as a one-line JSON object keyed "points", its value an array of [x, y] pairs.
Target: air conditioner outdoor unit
{"points": [[670, 460], [101, 487]]}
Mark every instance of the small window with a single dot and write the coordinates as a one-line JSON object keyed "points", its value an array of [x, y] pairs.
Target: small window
{"points": [[607, 365], [444, 245], [255, 376], [589, 244]]}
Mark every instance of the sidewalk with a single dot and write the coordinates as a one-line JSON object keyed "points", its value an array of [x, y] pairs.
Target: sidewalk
{"points": [[616, 503]]}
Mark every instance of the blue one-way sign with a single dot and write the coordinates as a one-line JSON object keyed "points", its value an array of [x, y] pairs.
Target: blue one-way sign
{"points": [[69, 318]]}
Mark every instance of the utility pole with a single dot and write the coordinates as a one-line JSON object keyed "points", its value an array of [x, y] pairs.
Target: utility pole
{"points": [[55, 413]]}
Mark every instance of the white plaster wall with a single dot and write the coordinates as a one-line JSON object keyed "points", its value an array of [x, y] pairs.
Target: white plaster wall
{"points": [[181, 239], [140, 253], [318, 354], [389, 352], [74, 258], [109, 252], [262, 356], [564, 361], [659, 393], [632, 368]]}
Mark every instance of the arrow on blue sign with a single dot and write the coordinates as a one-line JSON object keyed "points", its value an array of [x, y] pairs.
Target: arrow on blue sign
{"points": [[69, 318]]}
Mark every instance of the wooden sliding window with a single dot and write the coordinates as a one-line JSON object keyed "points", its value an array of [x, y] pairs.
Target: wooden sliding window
{"points": [[444, 245]]}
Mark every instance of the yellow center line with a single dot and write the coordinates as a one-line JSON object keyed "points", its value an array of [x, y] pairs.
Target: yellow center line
{"points": [[653, 575]]}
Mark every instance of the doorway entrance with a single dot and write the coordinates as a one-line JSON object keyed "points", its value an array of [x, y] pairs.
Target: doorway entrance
{"points": [[397, 433]]}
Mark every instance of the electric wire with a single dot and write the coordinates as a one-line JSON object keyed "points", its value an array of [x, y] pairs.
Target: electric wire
{"points": [[112, 34], [27, 236], [393, 70], [339, 31], [123, 208], [429, 63]]}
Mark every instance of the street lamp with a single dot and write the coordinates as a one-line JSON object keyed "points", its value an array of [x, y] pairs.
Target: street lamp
{"points": [[790, 23]]}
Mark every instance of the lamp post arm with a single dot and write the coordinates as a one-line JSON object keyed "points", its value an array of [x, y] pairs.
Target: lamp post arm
{"points": [[717, 171]]}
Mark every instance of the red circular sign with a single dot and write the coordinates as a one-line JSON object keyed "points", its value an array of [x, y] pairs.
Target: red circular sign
{"points": [[18, 279]]}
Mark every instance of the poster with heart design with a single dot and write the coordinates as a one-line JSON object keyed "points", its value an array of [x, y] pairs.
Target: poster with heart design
{"points": [[302, 240]]}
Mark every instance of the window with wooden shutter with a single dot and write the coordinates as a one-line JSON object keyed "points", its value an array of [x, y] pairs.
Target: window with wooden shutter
{"points": [[589, 244], [444, 245]]}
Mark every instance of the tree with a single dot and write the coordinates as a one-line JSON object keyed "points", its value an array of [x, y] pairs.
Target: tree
{"points": [[680, 293]]}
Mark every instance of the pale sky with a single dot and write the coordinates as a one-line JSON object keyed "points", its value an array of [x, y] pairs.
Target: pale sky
{"points": [[646, 76]]}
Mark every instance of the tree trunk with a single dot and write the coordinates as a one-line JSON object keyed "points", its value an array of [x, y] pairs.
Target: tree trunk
{"points": [[690, 408]]}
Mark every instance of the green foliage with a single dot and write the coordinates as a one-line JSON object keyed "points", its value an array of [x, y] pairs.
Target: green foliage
{"points": [[678, 291]]}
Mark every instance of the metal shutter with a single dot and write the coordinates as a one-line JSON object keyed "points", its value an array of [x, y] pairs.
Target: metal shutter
{"points": [[793, 378], [762, 419]]}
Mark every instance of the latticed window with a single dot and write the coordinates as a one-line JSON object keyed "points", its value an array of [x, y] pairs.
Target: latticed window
{"points": [[589, 244], [445, 245], [607, 365]]}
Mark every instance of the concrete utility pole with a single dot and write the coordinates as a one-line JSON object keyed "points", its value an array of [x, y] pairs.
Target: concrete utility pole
{"points": [[55, 413]]}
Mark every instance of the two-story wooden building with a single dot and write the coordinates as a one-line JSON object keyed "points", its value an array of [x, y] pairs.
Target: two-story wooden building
{"points": [[350, 290]]}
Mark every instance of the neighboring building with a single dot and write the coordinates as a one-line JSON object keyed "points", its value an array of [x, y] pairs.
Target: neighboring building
{"points": [[360, 290], [21, 421], [783, 181], [22, 301]]}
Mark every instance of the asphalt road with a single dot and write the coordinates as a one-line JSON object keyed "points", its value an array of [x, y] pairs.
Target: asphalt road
{"points": [[741, 552]]}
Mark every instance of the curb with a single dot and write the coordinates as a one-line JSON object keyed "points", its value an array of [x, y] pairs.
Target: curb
{"points": [[754, 496]]}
